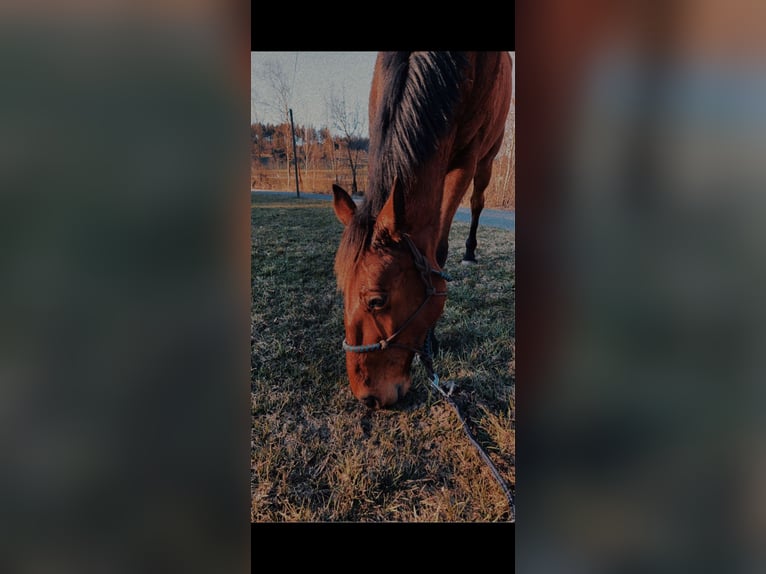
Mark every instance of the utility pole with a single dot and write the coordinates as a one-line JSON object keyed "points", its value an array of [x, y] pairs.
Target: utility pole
{"points": [[295, 155]]}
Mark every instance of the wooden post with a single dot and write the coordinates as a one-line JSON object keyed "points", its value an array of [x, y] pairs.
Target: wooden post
{"points": [[295, 155]]}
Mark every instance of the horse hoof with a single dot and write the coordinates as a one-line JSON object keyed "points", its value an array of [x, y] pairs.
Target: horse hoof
{"points": [[468, 262]]}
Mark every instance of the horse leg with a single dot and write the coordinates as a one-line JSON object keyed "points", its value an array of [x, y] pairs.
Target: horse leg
{"points": [[442, 249], [480, 183], [433, 341]]}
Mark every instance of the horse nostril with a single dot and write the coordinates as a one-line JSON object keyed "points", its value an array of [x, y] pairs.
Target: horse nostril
{"points": [[371, 402]]}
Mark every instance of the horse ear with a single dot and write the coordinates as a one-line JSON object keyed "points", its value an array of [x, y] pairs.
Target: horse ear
{"points": [[343, 204], [391, 217]]}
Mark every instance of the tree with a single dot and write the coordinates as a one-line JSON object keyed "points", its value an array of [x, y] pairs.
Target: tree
{"points": [[275, 80], [328, 151], [308, 150], [349, 123]]}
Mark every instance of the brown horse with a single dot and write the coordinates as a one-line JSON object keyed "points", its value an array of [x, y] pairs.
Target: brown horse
{"points": [[436, 122]]}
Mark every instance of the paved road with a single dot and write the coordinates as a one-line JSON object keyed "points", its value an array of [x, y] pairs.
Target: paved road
{"points": [[489, 217]]}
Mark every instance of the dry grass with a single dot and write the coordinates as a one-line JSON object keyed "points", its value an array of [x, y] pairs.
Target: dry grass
{"points": [[317, 454]]}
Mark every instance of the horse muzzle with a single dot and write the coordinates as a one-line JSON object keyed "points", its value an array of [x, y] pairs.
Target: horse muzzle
{"points": [[384, 396]]}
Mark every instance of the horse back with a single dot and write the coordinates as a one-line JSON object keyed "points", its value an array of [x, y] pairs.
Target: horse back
{"points": [[480, 120]]}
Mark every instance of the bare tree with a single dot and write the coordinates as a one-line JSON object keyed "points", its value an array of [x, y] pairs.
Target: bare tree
{"points": [[310, 151], [349, 123], [328, 145], [255, 99], [275, 82]]}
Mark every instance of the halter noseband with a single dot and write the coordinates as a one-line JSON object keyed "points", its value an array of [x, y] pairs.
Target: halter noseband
{"points": [[422, 265]]}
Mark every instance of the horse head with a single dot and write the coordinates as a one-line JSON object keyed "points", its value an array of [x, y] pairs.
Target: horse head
{"points": [[393, 294]]}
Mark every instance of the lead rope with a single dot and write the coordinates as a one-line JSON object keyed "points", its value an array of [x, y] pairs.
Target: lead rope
{"points": [[427, 359]]}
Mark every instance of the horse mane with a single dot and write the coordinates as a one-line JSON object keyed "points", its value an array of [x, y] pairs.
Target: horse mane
{"points": [[420, 91]]}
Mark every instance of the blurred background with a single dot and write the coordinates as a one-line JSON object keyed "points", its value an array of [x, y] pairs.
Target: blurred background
{"points": [[640, 300], [124, 287]]}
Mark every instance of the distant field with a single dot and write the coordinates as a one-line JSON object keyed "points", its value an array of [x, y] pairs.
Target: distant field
{"points": [[500, 194], [317, 454]]}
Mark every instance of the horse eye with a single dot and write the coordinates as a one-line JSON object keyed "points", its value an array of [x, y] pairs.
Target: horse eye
{"points": [[377, 301]]}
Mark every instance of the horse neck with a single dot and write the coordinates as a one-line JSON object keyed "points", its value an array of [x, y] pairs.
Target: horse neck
{"points": [[422, 211]]}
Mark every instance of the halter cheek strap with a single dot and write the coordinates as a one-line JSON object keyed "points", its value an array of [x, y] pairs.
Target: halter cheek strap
{"points": [[426, 272]]}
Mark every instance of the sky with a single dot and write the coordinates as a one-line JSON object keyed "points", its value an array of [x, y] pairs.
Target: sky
{"points": [[313, 76]]}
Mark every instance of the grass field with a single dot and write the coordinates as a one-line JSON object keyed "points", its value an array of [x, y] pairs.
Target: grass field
{"points": [[317, 454]]}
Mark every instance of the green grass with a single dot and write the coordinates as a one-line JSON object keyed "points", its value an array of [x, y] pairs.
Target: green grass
{"points": [[317, 454]]}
